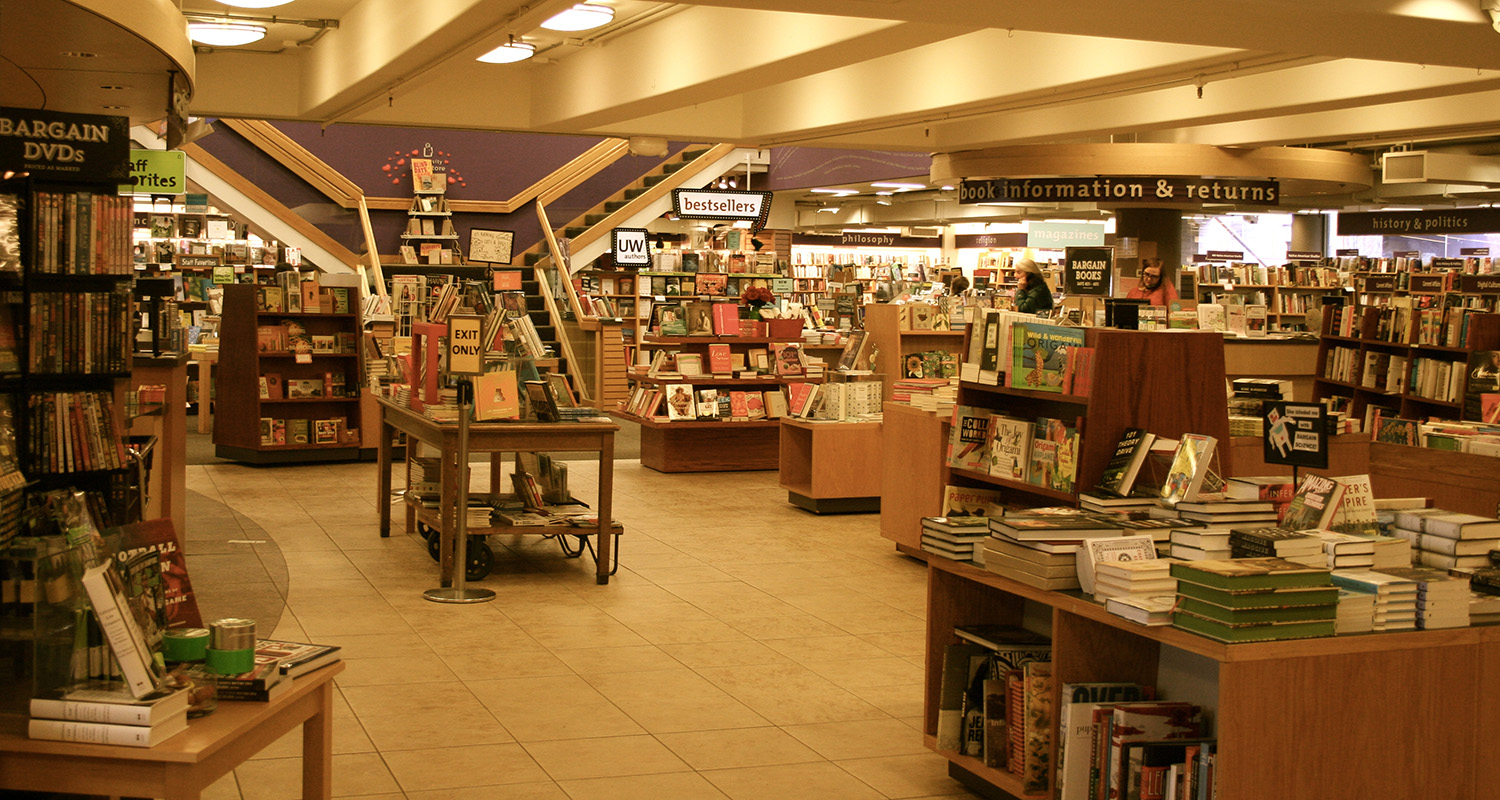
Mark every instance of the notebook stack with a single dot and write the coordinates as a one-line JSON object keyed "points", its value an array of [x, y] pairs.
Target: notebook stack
{"points": [[1276, 543], [1448, 540], [958, 538], [1442, 599], [1356, 612], [1395, 599], [1254, 599]]}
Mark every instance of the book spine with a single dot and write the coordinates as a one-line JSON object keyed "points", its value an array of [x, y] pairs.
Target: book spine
{"points": [[89, 732], [232, 690], [107, 713]]}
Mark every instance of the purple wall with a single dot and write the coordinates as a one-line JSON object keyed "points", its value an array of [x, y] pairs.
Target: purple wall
{"points": [[806, 167]]}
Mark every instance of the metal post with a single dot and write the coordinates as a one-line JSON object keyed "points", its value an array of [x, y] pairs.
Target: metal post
{"points": [[459, 592]]}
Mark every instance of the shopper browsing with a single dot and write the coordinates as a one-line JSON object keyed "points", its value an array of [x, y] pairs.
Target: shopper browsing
{"points": [[1033, 295], [1153, 288]]}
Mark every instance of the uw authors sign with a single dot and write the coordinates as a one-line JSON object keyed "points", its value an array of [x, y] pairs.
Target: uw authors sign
{"points": [[630, 247], [53, 144]]}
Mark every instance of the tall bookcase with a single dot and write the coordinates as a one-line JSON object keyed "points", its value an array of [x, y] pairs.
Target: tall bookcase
{"points": [[65, 345], [309, 393]]}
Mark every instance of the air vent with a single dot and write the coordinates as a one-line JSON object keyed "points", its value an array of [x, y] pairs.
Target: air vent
{"points": [[927, 232]]}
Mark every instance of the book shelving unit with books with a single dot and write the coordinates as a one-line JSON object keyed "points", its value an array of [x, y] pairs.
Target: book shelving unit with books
{"points": [[289, 382], [902, 333], [713, 403]]}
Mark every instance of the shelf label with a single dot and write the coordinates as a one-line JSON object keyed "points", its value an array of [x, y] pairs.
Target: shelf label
{"points": [[1119, 189], [722, 204], [1426, 283], [1303, 255], [1055, 235], [1479, 284], [1399, 223]]}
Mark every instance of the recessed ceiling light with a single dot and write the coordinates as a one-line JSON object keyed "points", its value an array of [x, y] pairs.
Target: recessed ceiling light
{"points": [[509, 53], [582, 17], [255, 3], [79, 54], [838, 192], [225, 34], [112, 108], [902, 186], [113, 88]]}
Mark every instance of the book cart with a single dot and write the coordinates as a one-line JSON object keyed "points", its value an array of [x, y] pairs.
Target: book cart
{"points": [[712, 446]]}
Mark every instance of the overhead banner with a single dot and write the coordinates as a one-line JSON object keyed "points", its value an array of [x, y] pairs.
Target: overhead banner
{"points": [[1089, 271], [53, 144], [1058, 235], [630, 247], [722, 204], [156, 172], [1134, 189], [862, 239], [1403, 223]]}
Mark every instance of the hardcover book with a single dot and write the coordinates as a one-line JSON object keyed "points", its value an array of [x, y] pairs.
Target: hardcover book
{"points": [[1117, 548], [1314, 504], [1039, 353], [120, 623], [1130, 453], [968, 439], [1009, 448], [1251, 573], [1190, 465]]}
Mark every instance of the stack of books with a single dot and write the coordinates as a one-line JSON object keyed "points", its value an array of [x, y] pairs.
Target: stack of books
{"points": [[1047, 533], [1254, 599], [1448, 540], [1246, 513], [1147, 578], [1209, 543], [1356, 612], [1045, 565], [1484, 605], [1274, 489], [1442, 599], [1395, 599], [1116, 505], [1277, 543], [1352, 550], [958, 538], [109, 715]]}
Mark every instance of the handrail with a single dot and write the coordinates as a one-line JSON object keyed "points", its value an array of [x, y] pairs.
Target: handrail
{"points": [[271, 204], [285, 150], [672, 181], [372, 254], [543, 286]]}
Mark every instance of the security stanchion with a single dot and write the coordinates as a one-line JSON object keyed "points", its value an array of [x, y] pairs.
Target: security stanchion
{"points": [[459, 592]]}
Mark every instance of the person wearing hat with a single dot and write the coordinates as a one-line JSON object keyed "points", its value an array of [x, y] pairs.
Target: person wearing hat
{"points": [[1033, 295]]}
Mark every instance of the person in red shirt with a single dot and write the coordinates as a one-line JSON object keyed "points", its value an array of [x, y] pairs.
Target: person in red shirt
{"points": [[1153, 288]]}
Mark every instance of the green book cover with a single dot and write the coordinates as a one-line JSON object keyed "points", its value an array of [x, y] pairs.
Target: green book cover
{"points": [[1039, 353], [1259, 598], [1251, 573], [1233, 616], [1258, 632]]}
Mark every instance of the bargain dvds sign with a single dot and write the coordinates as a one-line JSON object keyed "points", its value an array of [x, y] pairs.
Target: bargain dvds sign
{"points": [[82, 147]]}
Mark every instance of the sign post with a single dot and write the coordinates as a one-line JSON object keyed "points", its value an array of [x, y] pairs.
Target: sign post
{"points": [[465, 359]]}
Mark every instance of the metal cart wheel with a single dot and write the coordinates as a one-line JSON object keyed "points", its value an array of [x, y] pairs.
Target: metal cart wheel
{"points": [[434, 546], [427, 532], [481, 559]]}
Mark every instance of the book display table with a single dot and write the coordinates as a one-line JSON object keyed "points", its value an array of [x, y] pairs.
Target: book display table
{"points": [[826, 466], [496, 438], [183, 766]]}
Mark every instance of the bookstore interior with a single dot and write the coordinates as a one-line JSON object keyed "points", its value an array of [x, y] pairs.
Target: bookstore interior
{"points": [[993, 476]]}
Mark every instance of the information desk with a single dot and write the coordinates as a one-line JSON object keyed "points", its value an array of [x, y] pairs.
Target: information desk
{"points": [[183, 766], [495, 438]]}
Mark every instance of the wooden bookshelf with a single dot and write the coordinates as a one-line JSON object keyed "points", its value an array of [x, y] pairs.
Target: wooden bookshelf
{"points": [[911, 485], [892, 342], [237, 430], [1287, 715]]}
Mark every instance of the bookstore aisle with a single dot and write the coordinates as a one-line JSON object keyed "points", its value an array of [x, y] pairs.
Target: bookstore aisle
{"points": [[746, 649]]}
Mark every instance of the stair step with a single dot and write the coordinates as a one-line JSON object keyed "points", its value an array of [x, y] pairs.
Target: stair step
{"points": [[615, 205], [633, 193], [673, 166], [652, 180], [594, 219], [691, 153], [532, 258], [573, 231]]}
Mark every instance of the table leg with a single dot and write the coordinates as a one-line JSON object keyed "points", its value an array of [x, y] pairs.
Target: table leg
{"points": [[497, 465], [317, 748], [606, 509], [383, 470], [205, 393]]}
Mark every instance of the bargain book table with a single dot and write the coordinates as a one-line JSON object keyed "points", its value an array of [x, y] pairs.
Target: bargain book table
{"points": [[496, 438], [183, 766]]}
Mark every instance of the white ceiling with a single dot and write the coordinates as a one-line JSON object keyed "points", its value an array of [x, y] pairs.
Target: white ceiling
{"points": [[919, 75]]}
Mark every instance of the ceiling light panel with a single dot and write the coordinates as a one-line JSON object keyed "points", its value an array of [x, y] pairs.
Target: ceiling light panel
{"points": [[225, 34], [581, 17]]}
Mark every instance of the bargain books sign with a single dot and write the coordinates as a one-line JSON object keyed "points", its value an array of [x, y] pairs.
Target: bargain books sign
{"points": [[722, 204], [52, 144]]}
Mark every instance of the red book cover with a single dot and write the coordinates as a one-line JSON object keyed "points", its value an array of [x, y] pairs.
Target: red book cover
{"points": [[719, 362], [726, 318], [739, 406], [158, 535]]}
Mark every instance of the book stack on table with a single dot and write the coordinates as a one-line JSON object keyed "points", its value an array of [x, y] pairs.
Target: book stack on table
{"points": [[1448, 540], [1356, 612], [1275, 542], [1040, 549], [1254, 599], [1395, 598], [1143, 591], [1442, 599], [1484, 595], [960, 538], [109, 715]]}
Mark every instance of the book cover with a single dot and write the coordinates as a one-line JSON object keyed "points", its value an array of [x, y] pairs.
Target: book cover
{"points": [[1118, 548], [708, 404], [968, 438], [1483, 377], [972, 501], [952, 688], [1037, 717], [1211, 317], [1250, 573], [789, 359], [680, 402], [1075, 742], [1039, 353], [1145, 721], [1355, 512], [119, 621], [158, 536], [297, 658], [1009, 447], [1120, 473], [719, 360], [497, 395], [1190, 465], [1314, 504]]}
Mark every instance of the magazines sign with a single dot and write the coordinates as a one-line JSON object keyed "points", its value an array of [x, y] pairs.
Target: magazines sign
{"points": [[52, 144], [1089, 271], [722, 204], [1296, 434]]}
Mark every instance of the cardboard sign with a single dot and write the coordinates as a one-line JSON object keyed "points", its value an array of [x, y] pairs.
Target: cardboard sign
{"points": [[1296, 434], [465, 349], [490, 246]]}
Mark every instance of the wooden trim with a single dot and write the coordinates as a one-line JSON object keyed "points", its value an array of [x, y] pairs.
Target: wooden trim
{"points": [[561, 181], [271, 204], [271, 141], [651, 195], [563, 340]]}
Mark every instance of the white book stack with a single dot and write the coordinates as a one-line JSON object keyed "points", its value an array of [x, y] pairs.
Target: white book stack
{"points": [[1201, 544], [1484, 609], [1442, 599], [1448, 540], [1395, 607], [1356, 612], [1133, 578]]}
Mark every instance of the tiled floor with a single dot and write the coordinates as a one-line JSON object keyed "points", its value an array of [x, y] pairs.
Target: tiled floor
{"points": [[746, 649]]}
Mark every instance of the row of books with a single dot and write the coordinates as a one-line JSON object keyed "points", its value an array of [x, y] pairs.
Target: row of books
{"points": [[76, 332], [334, 383], [302, 431], [1479, 438], [1042, 452], [684, 402], [291, 336], [72, 431], [779, 358], [294, 295], [78, 233], [167, 254], [713, 261]]}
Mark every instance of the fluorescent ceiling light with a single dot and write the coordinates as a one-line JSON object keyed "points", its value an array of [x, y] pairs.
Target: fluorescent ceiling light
{"points": [[582, 17], [837, 192], [906, 187], [255, 3], [225, 34], [826, 208], [509, 53]]}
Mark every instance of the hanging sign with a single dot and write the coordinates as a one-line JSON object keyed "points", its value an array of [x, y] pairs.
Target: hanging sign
{"points": [[722, 204], [630, 247], [53, 144], [1089, 271], [1296, 434], [156, 172], [1403, 223], [465, 350], [1303, 255], [1056, 235], [1132, 189], [490, 246]]}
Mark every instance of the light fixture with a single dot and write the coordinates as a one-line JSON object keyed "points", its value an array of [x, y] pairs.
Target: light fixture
{"points": [[581, 17], [905, 187], [225, 34], [255, 3], [509, 53]]}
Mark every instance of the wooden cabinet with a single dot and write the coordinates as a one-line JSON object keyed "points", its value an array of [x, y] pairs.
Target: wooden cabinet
{"points": [[320, 396], [913, 477], [825, 466], [1291, 717]]}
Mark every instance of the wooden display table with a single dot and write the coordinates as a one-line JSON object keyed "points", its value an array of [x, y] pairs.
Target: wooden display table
{"points": [[205, 360], [495, 438], [826, 466], [1304, 719], [183, 766], [911, 486], [167, 485]]}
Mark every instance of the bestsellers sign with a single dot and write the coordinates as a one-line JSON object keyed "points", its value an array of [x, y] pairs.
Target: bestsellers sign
{"points": [[722, 204]]}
